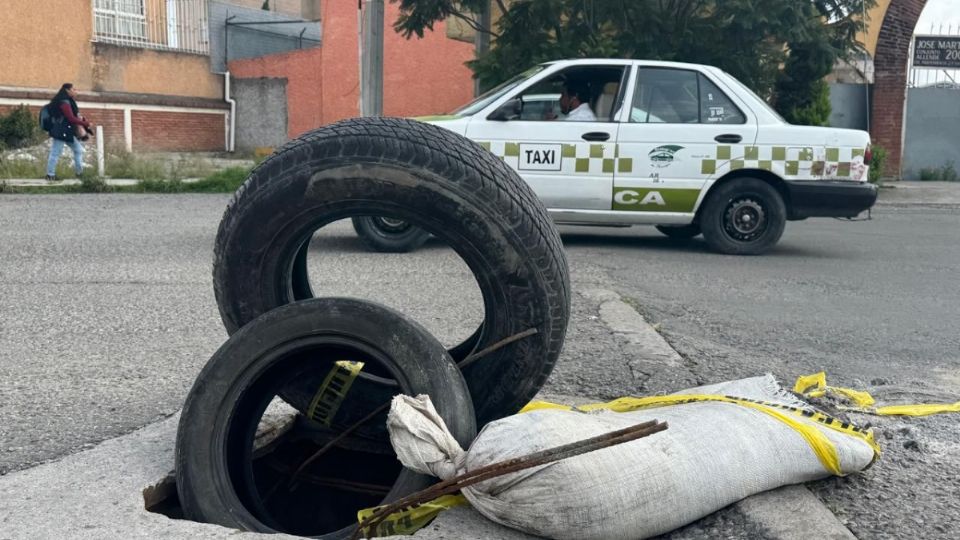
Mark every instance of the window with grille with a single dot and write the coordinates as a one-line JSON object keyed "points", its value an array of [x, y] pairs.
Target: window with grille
{"points": [[120, 19]]}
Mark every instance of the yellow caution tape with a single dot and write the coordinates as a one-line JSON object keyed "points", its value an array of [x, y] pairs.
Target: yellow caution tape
{"points": [[410, 520], [331, 393], [821, 445], [816, 386]]}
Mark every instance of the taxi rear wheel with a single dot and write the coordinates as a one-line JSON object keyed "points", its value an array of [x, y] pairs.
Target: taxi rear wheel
{"points": [[745, 216]]}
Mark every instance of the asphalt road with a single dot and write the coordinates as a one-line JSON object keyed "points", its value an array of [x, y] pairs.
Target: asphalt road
{"points": [[107, 314]]}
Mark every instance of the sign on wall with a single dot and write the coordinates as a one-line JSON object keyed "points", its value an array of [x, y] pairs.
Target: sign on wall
{"points": [[936, 52]]}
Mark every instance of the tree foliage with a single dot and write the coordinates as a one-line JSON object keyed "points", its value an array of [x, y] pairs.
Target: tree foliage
{"points": [[779, 48]]}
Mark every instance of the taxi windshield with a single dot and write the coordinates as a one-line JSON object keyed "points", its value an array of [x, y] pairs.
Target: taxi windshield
{"points": [[495, 93]]}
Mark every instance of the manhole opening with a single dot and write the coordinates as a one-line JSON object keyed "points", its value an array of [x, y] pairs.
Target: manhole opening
{"points": [[325, 496], [308, 468]]}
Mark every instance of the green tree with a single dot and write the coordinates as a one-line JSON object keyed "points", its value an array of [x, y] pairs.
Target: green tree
{"points": [[773, 46]]}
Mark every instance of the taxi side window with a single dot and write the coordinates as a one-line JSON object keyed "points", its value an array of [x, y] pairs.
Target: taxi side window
{"points": [[716, 107], [679, 96], [601, 84]]}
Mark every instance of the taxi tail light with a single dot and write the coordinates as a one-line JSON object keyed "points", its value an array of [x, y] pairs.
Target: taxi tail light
{"points": [[868, 155]]}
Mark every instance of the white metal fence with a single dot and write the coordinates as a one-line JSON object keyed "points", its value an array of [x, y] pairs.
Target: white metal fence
{"points": [[942, 78], [176, 25]]}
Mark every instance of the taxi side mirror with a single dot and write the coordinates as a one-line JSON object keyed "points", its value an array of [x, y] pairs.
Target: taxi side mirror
{"points": [[508, 111]]}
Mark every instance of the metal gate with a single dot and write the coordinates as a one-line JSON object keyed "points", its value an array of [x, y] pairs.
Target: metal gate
{"points": [[931, 148]]}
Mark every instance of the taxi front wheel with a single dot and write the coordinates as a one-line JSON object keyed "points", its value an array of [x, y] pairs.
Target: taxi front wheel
{"points": [[745, 216], [389, 235]]}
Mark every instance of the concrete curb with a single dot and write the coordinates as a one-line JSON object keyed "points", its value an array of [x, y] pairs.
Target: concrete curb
{"points": [[39, 182], [788, 513]]}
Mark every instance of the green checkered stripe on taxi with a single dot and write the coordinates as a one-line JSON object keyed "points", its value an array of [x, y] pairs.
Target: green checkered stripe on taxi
{"points": [[783, 160], [594, 158]]}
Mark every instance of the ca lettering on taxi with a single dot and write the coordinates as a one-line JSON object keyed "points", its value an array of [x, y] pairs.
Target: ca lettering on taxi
{"points": [[633, 197]]}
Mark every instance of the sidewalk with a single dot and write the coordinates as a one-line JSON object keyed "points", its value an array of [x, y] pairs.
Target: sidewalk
{"points": [[920, 194], [39, 182]]}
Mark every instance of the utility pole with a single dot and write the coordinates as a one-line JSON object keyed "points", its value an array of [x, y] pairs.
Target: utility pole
{"points": [[371, 58], [481, 40]]}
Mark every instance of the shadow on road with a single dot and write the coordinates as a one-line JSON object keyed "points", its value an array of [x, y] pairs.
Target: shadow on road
{"points": [[670, 245], [349, 243]]}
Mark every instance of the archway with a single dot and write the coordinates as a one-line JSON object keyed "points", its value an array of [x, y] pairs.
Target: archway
{"points": [[890, 78]]}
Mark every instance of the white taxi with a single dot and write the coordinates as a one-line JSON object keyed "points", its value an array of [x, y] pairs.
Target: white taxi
{"points": [[684, 147]]}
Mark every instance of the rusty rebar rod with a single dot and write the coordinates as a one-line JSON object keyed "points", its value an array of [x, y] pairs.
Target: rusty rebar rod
{"points": [[510, 466], [473, 357]]}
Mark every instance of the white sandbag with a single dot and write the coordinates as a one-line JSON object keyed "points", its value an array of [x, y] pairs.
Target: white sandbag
{"points": [[713, 454]]}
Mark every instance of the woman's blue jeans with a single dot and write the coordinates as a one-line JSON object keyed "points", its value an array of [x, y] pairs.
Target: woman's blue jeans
{"points": [[57, 149]]}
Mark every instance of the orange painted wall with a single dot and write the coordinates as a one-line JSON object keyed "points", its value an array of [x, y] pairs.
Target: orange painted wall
{"points": [[303, 71], [424, 76], [31, 60], [421, 76]]}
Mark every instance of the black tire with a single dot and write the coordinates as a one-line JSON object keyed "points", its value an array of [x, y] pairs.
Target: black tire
{"points": [[436, 180], [744, 216], [680, 232], [213, 456], [389, 235]]}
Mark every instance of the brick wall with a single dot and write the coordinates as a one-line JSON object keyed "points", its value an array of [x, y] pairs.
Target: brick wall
{"points": [[172, 131], [153, 130], [421, 75], [112, 122], [890, 78]]}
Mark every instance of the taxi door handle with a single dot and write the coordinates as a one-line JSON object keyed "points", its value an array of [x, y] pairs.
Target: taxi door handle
{"points": [[596, 136], [728, 138]]}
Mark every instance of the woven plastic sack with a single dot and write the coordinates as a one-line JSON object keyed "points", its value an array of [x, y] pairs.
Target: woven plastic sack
{"points": [[725, 442]]}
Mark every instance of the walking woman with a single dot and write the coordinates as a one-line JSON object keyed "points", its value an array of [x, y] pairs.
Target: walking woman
{"points": [[69, 128]]}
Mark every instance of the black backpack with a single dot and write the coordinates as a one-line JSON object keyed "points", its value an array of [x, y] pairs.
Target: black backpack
{"points": [[47, 118]]}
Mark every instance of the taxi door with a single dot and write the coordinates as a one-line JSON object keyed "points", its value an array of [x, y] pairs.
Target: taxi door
{"points": [[569, 164], [679, 127]]}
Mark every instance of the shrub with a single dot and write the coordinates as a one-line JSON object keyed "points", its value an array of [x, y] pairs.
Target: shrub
{"points": [[816, 112], [948, 173], [123, 164], [878, 164], [90, 182], [945, 173], [19, 128], [225, 181]]}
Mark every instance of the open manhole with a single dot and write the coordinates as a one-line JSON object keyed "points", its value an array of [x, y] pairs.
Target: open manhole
{"points": [[285, 428], [324, 497]]}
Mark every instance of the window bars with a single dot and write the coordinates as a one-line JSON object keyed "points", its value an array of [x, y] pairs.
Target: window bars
{"points": [[172, 25]]}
